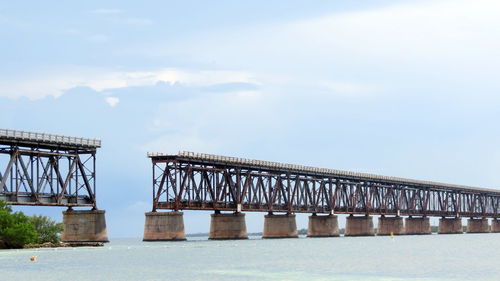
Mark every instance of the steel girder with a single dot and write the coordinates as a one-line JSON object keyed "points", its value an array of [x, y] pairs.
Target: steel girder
{"points": [[181, 184], [48, 177]]}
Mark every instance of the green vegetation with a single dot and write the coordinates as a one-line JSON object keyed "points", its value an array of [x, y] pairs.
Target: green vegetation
{"points": [[17, 229], [47, 229]]}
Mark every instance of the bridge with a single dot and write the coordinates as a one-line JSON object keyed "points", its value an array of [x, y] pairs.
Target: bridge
{"points": [[39, 169], [196, 181]]}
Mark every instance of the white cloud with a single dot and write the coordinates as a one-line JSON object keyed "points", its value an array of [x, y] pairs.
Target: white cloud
{"points": [[112, 101], [54, 82], [402, 46], [222, 123], [351, 53], [423, 28]]}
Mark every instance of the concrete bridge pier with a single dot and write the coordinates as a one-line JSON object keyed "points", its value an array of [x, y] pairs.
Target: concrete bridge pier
{"points": [[495, 225], [359, 226], [227, 226], [164, 226], [477, 225], [390, 226], [280, 226], [450, 226], [323, 226], [84, 226], [417, 226]]}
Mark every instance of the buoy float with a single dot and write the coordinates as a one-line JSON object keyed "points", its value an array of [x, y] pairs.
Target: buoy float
{"points": [[33, 258]]}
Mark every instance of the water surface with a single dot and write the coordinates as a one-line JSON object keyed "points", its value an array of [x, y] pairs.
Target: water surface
{"points": [[428, 257]]}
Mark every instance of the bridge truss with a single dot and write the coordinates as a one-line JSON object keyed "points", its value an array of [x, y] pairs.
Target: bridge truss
{"points": [[191, 181], [46, 169]]}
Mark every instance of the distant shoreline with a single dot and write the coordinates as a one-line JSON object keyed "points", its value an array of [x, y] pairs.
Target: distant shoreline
{"points": [[206, 234]]}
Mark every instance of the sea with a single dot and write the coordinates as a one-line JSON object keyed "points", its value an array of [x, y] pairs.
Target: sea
{"points": [[426, 257]]}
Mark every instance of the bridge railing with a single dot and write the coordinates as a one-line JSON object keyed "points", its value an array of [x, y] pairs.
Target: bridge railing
{"points": [[284, 167], [51, 138]]}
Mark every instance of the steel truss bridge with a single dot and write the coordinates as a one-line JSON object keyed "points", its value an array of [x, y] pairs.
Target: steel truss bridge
{"points": [[46, 169], [193, 181]]}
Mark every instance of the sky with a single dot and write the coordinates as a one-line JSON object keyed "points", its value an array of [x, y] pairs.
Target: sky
{"points": [[397, 88]]}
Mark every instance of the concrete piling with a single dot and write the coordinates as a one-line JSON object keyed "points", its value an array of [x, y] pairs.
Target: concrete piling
{"points": [[323, 226], [450, 226], [359, 226], [280, 226], [84, 226], [495, 225], [390, 226], [417, 226], [164, 226], [477, 225], [228, 226]]}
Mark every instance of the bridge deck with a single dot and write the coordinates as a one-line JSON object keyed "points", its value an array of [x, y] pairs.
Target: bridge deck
{"points": [[44, 140], [46, 169], [324, 172], [212, 182]]}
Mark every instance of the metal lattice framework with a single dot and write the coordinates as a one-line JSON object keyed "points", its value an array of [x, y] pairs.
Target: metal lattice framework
{"points": [[46, 169], [211, 182]]}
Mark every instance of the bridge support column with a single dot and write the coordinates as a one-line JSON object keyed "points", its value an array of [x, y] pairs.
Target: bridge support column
{"points": [[477, 225], [450, 226], [495, 225], [390, 226], [280, 226], [323, 226], [164, 226], [359, 226], [228, 226], [417, 226], [84, 226]]}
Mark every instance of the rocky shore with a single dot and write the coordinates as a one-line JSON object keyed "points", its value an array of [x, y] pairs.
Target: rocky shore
{"points": [[64, 245]]}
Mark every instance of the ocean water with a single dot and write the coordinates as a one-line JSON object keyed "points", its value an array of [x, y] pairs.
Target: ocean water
{"points": [[429, 257]]}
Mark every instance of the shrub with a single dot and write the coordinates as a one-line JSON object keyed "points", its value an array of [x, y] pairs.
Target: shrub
{"points": [[19, 235], [15, 228], [47, 229]]}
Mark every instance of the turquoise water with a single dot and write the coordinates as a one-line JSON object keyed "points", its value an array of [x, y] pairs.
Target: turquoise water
{"points": [[431, 257]]}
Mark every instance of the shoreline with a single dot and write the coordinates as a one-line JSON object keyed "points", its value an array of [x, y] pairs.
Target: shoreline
{"points": [[64, 245]]}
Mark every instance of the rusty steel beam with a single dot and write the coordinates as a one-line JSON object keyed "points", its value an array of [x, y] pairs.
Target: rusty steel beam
{"points": [[190, 183], [47, 170]]}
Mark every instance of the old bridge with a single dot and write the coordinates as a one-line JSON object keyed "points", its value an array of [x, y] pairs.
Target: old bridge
{"points": [[39, 169], [194, 181]]}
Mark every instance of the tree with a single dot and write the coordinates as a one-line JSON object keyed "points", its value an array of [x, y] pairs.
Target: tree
{"points": [[19, 235], [47, 229], [15, 228], [4, 207]]}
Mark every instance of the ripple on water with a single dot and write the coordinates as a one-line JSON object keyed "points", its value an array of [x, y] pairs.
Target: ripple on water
{"points": [[432, 257]]}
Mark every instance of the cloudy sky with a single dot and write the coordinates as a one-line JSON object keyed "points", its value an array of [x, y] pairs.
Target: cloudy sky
{"points": [[399, 88]]}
